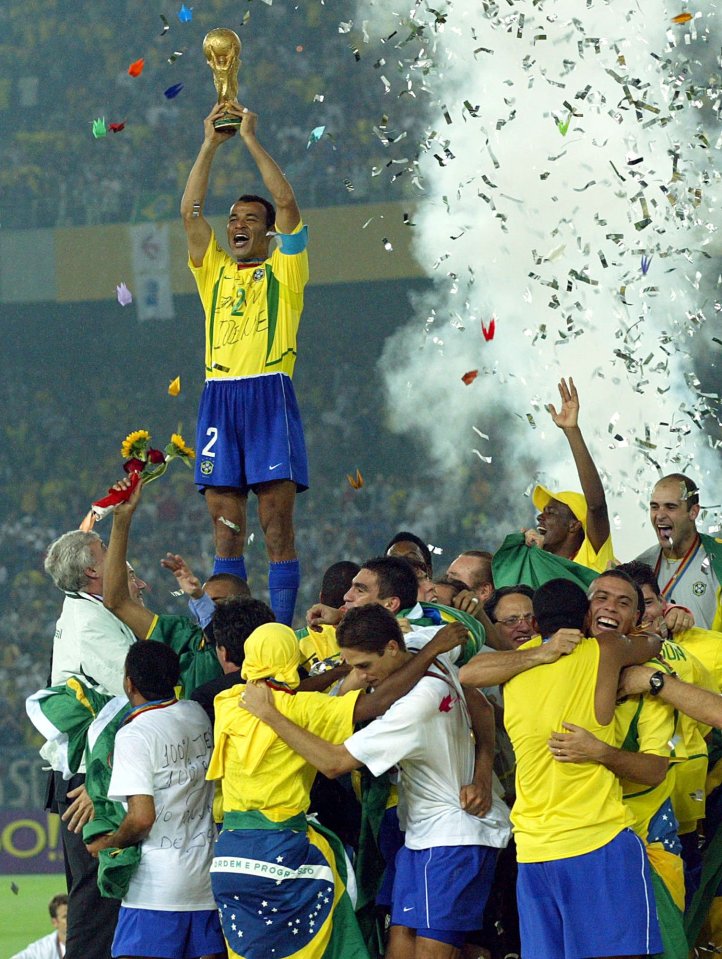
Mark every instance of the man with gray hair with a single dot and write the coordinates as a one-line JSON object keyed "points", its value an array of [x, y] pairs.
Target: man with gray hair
{"points": [[91, 644]]}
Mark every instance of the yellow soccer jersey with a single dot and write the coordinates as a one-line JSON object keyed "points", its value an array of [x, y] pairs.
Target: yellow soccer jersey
{"points": [[252, 311], [706, 646], [317, 645], [280, 787], [600, 561], [561, 809], [690, 775], [646, 725]]}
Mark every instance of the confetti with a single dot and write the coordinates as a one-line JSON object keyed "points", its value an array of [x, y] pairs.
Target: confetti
{"points": [[484, 459], [490, 330], [173, 91], [185, 14], [388, 245], [124, 295], [469, 377], [563, 125], [315, 135], [231, 525], [166, 26], [116, 127], [14, 888], [99, 128], [136, 68], [175, 387], [174, 56], [646, 263], [682, 18], [355, 482], [176, 592]]}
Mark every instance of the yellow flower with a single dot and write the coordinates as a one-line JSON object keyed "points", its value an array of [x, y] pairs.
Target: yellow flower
{"points": [[135, 443], [180, 448]]}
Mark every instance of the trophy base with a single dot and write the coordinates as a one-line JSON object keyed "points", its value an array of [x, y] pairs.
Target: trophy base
{"points": [[228, 123]]}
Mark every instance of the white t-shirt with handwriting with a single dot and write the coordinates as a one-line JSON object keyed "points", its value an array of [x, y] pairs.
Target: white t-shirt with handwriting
{"points": [[165, 753]]}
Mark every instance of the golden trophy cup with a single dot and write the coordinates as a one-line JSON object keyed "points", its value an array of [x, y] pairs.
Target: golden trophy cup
{"points": [[222, 50]]}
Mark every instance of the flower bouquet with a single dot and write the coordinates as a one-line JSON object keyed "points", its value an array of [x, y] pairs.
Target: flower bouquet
{"points": [[143, 463]]}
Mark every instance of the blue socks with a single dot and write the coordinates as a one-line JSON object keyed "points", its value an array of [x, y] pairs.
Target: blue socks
{"points": [[283, 582], [231, 564]]}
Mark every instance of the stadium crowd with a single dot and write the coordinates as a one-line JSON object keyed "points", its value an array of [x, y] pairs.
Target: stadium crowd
{"points": [[139, 172]]}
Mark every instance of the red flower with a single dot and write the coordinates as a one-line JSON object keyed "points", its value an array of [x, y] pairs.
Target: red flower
{"points": [[133, 465], [156, 456]]}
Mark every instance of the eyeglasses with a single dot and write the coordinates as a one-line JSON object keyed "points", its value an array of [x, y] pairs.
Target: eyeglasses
{"points": [[516, 620]]}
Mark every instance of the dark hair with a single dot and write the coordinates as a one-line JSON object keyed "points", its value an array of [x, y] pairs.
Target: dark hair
{"points": [[240, 586], [559, 604], [336, 582], [493, 601], [484, 575], [405, 537], [153, 668], [642, 574], [369, 628], [396, 577], [233, 622], [455, 584], [269, 207], [60, 900], [618, 573], [691, 491]]}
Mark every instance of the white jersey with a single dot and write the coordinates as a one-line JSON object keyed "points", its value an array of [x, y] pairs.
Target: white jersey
{"points": [[90, 643], [697, 588], [49, 947], [428, 734], [165, 753]]}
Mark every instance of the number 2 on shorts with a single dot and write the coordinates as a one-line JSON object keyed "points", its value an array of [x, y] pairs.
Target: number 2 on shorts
{"points": [[212, 434]]}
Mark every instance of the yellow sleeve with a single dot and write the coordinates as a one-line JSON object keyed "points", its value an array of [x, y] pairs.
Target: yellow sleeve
{"points": [[656, 727], [330, 717]]}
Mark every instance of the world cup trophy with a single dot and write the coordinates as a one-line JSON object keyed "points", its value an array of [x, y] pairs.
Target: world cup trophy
{"points": [[222, 50]]}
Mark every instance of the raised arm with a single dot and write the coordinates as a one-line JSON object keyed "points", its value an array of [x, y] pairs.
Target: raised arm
{"points": [[116, 595], [567, 420], [492, 669], [288, 216], [198, 229]]}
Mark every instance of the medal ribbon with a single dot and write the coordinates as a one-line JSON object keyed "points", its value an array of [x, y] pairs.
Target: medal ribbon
{"points": [[681, 569], [147, 707]]}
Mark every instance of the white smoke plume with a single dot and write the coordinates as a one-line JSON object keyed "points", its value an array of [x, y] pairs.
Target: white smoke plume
{"points": [[565, 187]]}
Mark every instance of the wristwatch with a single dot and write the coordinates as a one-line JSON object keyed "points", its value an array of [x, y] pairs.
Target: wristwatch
{"points": [[656, 683]]}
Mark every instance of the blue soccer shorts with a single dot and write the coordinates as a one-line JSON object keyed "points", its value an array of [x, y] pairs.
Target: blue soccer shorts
{"points": [[250, 432], [598, 904]]}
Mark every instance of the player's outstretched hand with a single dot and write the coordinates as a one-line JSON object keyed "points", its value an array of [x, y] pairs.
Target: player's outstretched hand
{"points": [[568, 416]]}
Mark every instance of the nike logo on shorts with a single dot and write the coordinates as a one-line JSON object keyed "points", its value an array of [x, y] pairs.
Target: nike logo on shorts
{"points": [[275, 467], [407, 908]]}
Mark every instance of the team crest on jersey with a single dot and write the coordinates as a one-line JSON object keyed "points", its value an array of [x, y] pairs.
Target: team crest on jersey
{"points": [[699, 589], [259, 273], [206, 467]]}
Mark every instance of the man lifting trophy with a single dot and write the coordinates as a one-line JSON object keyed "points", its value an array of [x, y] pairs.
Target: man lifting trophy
{"points": [[250, 436]]}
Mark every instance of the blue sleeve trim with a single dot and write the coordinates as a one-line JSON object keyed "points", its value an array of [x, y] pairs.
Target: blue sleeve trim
{"points": [[202, 609], [290, 244]]}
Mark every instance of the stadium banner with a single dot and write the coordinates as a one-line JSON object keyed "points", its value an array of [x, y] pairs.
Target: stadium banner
{"points": [[29, 842], [150, 251]]}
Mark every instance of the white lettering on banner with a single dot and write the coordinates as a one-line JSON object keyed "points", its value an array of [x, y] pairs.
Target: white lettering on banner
{"points": [[257, 867]]}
